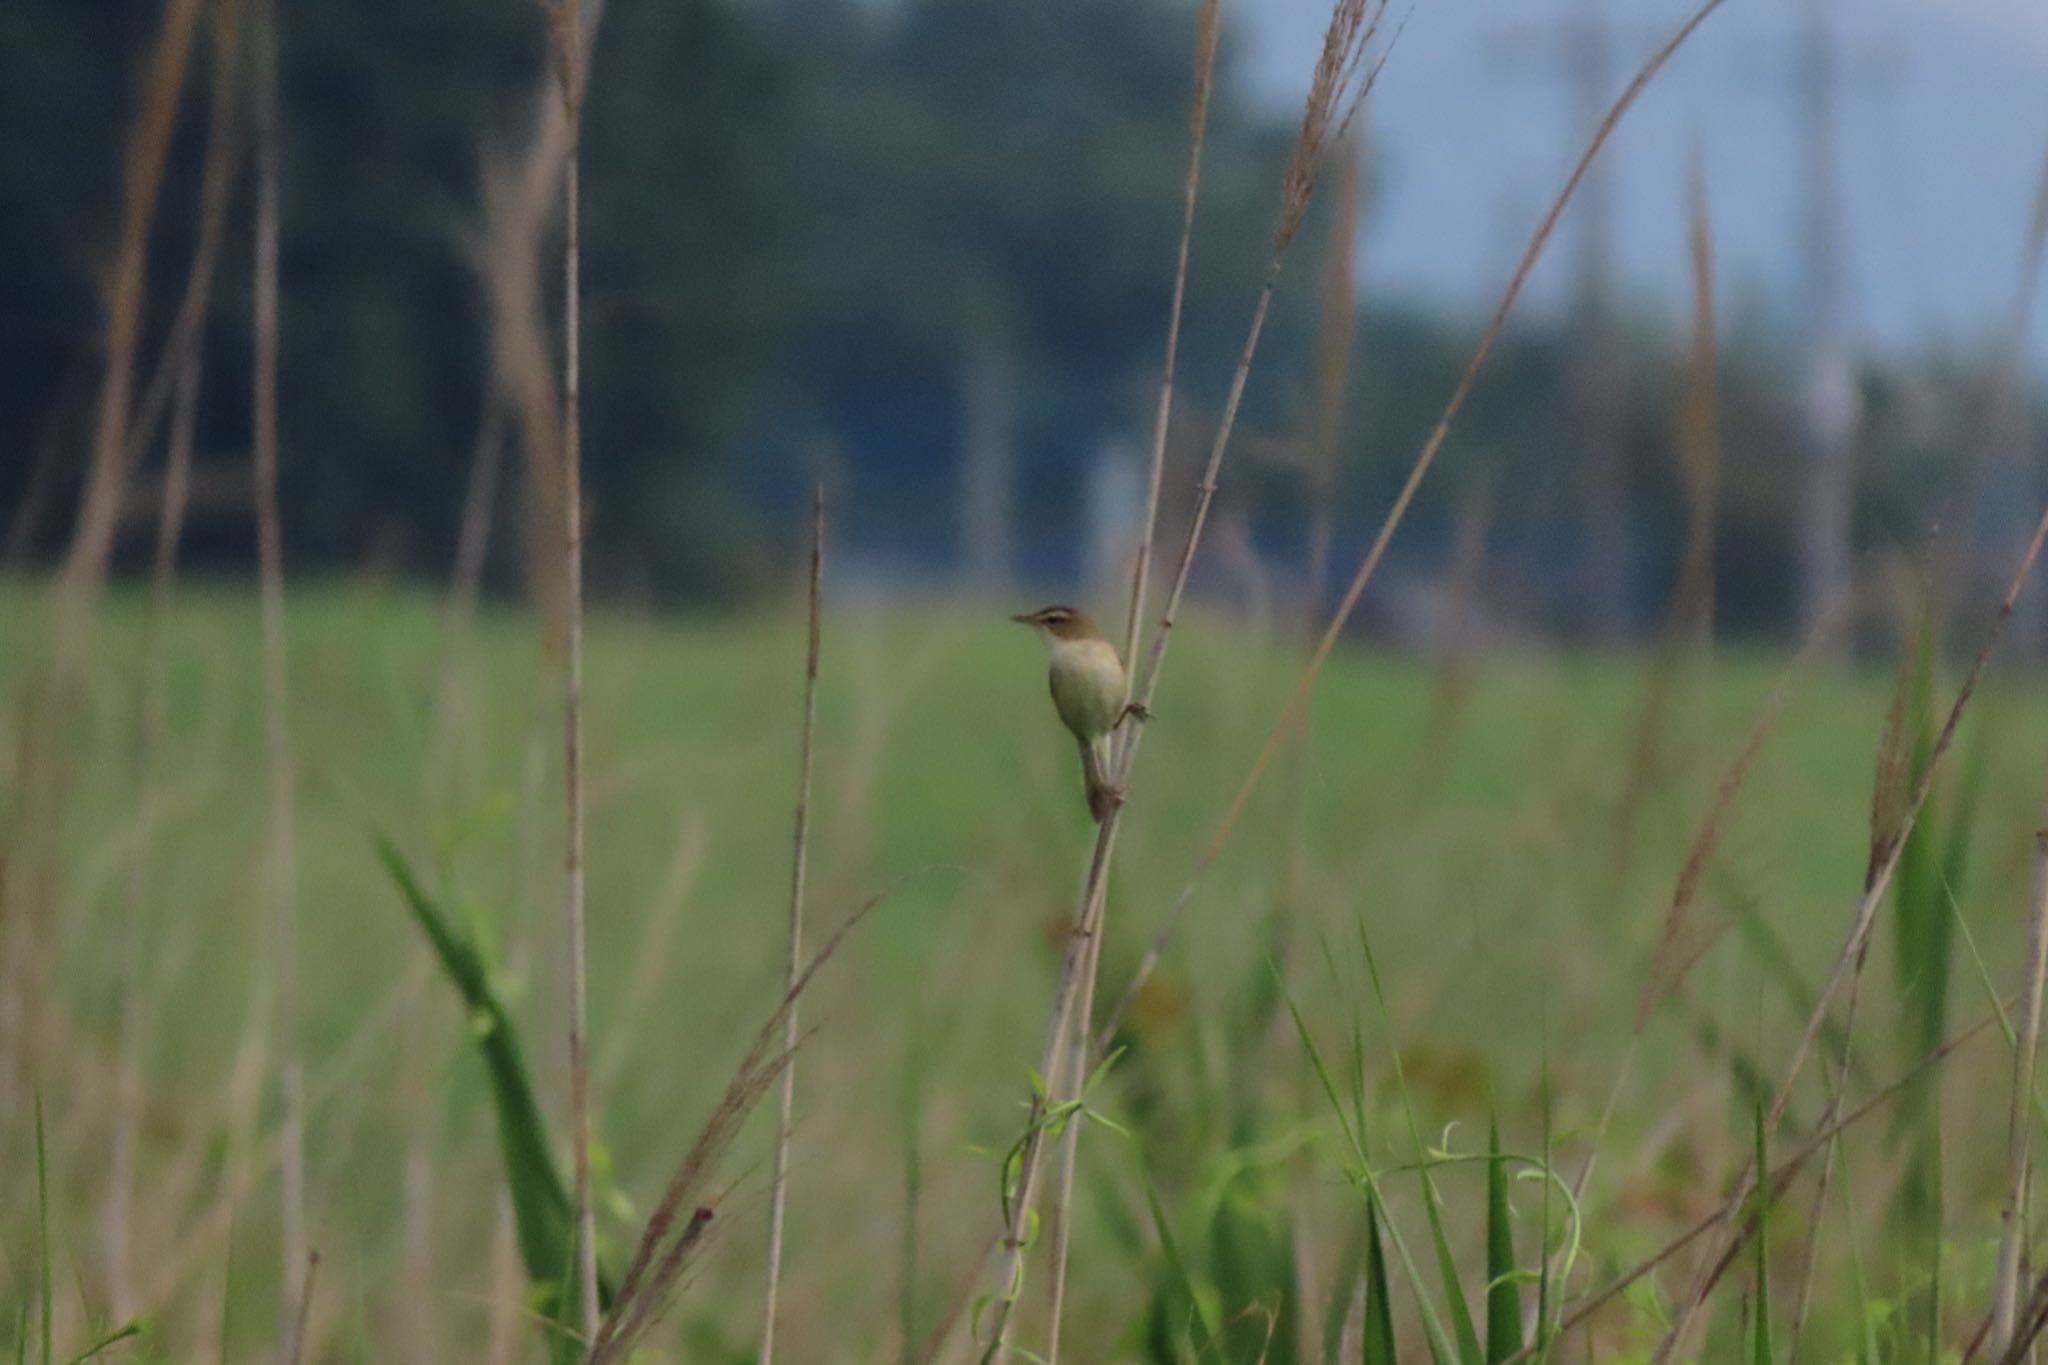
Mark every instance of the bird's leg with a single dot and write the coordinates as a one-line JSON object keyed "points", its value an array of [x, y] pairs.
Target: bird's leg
{"points": [[1136, 710]]}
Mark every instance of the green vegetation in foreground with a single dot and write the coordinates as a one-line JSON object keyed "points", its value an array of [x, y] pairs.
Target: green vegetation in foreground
{"points": [[1478, 849]]}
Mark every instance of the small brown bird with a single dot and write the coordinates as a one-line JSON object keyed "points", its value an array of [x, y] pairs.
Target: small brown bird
{"points": [[1089, 691]]}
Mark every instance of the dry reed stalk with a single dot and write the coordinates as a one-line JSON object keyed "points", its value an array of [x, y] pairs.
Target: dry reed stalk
{"points": [[465, 581], [183, 360], [1341, 80], [1335, 330], [778, 1197], [651, 954], [2033, 1321], [1690, 622], [1068, 1083], [52, 444], [1296, 702], [1848, 961], [29, 874], [415, 1327], [1208, 28], [2018, 1131], [504, 1318], [239, 1103], [1668, 966], [85, 564], [1781, 1176], [1335, 325], [480, 497], [1339, 86], [565, 31], [1888, 798], [282, 869], [295, 1342], [203, 1231], [473, 539], [668, 1244], [218, 166], [518, 206], [935, 1340]]}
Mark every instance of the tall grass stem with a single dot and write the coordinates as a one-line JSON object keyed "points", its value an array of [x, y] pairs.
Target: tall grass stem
{"points": [[1848, 961], [1208, 25], [283, 868], [778, 1198], [2018, 1128], [1292, 709], [1341, 80]]}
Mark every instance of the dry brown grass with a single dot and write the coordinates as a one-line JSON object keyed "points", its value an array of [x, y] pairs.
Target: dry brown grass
{"points": [[799, 866]]}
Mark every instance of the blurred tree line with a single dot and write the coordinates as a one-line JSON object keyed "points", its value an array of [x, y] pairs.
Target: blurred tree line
{"points": [[908, 246]]}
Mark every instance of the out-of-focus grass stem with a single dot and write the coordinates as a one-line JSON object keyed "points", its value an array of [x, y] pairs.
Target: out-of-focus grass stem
{"points": [[778, 1197], [2019, 1129]]}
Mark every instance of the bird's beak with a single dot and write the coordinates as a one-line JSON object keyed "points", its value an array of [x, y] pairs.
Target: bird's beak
{"points": [[1026, 619]]}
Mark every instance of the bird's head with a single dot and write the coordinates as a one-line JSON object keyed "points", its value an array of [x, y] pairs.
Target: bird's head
{"points": [[1059, 623]]}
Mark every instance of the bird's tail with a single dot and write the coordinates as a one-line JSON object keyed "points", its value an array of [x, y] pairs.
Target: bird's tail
{"points": [[1102, 797]]}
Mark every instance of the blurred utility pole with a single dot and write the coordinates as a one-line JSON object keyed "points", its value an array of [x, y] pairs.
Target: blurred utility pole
{"points": [[988, 456], [1830, 403], [1604, 572]]}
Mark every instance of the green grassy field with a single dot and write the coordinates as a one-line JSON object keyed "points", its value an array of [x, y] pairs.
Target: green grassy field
{"points": [[1475, 839]]}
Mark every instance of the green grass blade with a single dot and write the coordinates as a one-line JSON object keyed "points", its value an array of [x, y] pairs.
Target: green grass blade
{"points": [[119, 1334], [1469, 1349], [1350, 1264], [541, 1206], [1379, 1304], [1760, 1353], [1859, 1285], [1169, 1246], [1440, 1348], [1503, 1295], [1772, 954]]}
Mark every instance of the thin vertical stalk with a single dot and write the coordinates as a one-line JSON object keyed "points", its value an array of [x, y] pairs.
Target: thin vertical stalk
{"points": [[1304, 686], [1341, 80], [1849, 960], [567, 37], [148, 149], [778, 1199], [1207, 28], [479, 501], [302, 1312], [504, 1316], [1069, 1083], [183, 362], [277, 734], [1781, 1174], [1335, 331], [2019, 1158], [28, 881]]}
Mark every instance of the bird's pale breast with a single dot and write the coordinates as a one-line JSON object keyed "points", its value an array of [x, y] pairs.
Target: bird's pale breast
{"points": [[1087, 686]]}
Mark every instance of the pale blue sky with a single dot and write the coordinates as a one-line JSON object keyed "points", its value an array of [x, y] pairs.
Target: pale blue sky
{"points": [[1944, 127]]}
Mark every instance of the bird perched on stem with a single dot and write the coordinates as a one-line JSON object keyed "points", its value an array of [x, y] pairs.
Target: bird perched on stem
{"points": [[1089, 691]]}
